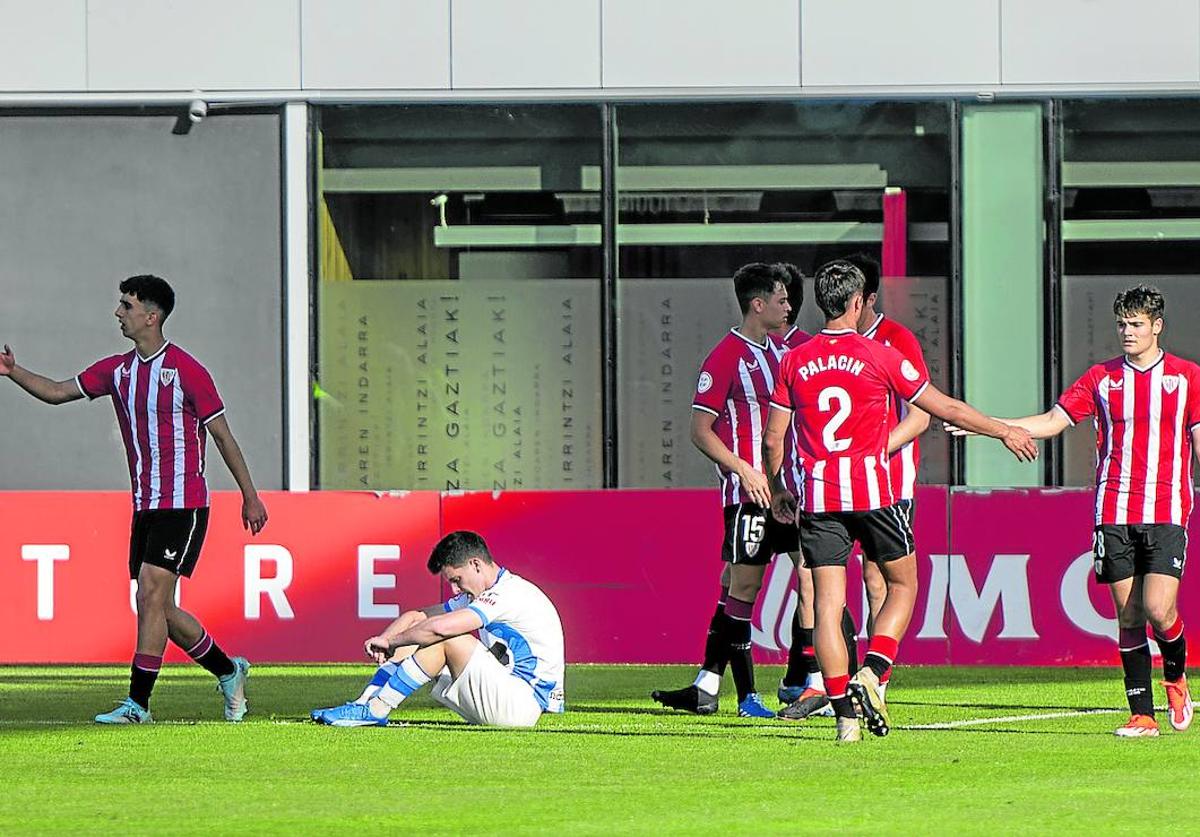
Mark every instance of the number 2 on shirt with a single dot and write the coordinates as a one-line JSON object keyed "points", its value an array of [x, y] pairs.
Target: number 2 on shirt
{"points": [[825, 402]]}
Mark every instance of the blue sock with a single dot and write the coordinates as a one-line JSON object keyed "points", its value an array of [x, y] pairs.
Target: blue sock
{"points": [[382, 675], [408, 677]]}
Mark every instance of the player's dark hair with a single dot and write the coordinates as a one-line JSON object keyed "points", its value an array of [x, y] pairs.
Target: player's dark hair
{"points": [[871, 271], [795, 289], [757, 281], [1140, 299], [835, 284], [151, 289], [456, 549]]}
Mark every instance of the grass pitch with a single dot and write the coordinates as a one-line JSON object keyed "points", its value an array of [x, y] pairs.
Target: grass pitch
{"points": [[972, 750]]}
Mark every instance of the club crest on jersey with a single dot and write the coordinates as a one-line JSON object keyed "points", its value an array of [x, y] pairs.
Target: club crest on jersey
{"points": [[705, 382], [124, 371], [1170, 383], [166, 376]]}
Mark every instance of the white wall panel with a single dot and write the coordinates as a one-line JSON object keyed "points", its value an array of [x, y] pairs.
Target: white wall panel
{"points": [[526, 43], [43, 46], [884, 42], [186, 44], [1080, 41], [402, 44], [701, 43]]}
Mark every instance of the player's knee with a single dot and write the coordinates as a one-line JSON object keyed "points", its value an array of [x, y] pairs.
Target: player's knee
{"points": [[1161, 617]]}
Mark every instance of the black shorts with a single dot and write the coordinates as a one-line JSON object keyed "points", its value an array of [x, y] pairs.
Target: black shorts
{"points": [[167, 538], [753, 535], [1122, 552], [827, 538]]}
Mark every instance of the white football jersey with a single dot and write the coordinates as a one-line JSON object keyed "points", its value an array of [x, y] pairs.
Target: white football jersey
{"points": [[516, 613]]}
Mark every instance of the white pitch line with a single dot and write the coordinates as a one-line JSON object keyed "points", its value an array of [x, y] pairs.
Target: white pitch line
{"points": [[1009, 719]]}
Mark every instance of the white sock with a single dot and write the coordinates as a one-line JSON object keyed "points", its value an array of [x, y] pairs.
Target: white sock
{"points": [[708, 682], [816, 680], [408, 677], [377, 682]]}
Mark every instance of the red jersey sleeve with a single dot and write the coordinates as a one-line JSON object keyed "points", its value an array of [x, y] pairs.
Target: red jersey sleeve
{"points": [[1193, 405], [901, 374], [712, 388], [781, 396], [906, 344], [97, 379], [199, 389], [1079, 400]]}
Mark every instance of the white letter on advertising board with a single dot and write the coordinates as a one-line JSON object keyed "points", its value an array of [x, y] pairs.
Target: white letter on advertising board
{"points": [[45, 554], [1007, 584], [274, 588], [1076, 602], [369, 581]]}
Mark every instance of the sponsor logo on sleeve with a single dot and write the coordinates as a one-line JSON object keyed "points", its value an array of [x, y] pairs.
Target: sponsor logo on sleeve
{"points": [[909, 371], [705, 382]]}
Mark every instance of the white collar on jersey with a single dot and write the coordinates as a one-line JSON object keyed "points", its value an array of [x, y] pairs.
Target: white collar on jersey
{"points": [[838, 331], [162, 349], [1136, 368], [874, 326], [766, 344]]}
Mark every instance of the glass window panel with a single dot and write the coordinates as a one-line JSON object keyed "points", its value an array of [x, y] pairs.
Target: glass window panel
{"points": [[458, 298], [705, 188], [1131, 213]]}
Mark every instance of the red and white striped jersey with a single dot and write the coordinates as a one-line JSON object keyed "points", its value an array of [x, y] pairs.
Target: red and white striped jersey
{"points": [[839, 387], [162, 404], [789, 471], [735, 385], [904, 462], [1143, 419]]}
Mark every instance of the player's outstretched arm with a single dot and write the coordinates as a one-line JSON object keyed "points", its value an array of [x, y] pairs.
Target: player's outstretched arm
{"points": [[961, 414], [429, 631], [909, 428], [254, 513], [1045, 425], [709, 443], [39, 386]]}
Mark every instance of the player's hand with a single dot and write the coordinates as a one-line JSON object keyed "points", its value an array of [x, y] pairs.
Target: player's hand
{"points": [[378, 649], [955, 430], [8, 361], [254, 514], [783, 506], [1021, 444], [754, 483]]}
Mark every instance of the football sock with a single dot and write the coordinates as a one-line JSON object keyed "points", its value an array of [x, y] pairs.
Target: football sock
{"points": [[382, 675], [1135, 660], [802, 659], [880, 654], [716, 653], [1174, 650], [408, 677], [850, 632], [835, 687], [737, 625], [208, 654], [708, 682], [142, 674]]}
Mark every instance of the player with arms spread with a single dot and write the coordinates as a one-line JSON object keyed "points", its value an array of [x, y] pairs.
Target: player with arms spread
{"points": [[507, 677], [729, 412], [166, 404], [1145, 405], [834, 394]]}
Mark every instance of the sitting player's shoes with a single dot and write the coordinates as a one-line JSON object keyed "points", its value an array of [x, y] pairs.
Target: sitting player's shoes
{"points": [[688, 699], [353, 715], [863, 690], [318, 715], [233, 688], [1179, 703], [127, 712], [1139, 726], [810, 702], [753, 707], [789, 694], [848, 731]]}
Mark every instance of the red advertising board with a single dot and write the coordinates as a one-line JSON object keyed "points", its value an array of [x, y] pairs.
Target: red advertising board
{"points": [[1005, 576], [329, 569]]}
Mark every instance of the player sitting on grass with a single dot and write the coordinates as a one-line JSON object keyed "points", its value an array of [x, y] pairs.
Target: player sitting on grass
{"points": [[507, 677], [1146, 408]]}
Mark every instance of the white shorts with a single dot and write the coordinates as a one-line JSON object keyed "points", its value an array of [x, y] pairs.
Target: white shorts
{"points": [[488, 693]]}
